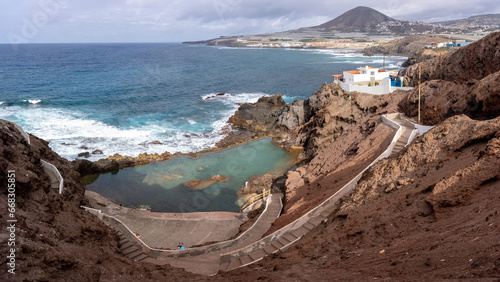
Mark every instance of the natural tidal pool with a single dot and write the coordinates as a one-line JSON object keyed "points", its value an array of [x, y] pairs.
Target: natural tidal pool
{"points": [[162, 186]]}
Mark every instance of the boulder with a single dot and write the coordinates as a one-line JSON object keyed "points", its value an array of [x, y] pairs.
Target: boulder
{"points": [[257, 183], [84, 155]]}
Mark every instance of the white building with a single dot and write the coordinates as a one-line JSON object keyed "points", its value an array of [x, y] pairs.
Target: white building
{"points": [[367, 80], [365, 76]]}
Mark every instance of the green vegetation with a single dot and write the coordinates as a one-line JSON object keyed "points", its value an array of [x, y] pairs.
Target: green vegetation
{"points": [[376, 83], [308, 40]]}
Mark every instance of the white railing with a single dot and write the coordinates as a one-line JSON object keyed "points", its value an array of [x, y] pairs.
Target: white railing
{"points": [[23, 133], [55, 171]]}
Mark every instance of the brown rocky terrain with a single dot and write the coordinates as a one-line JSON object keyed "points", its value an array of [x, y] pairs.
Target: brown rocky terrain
{"points": [[469, 85], [427, 213], [407, 46], [424, 55]]}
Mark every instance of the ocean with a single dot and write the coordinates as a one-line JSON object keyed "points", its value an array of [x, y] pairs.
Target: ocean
{"points": [[121, 98]]}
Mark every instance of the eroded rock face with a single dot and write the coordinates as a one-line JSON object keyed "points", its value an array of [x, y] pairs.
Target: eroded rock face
{"points": [[259, 117], [292, 115]]}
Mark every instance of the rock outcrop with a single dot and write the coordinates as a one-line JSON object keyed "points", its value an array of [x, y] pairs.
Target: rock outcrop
{"points": [[470, 63], [424, 55], [259, 117], [257, 183], [198, 184], [469, 86]]}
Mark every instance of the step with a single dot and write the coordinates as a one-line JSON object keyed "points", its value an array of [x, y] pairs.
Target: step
{"points": [[235, 262], [141, 257], [325, 214], [258, 254], [270, 249], [277, 244], [308, 225], [126, 245], [224, 266], [290, 237], [245, 259], [299, 232], [284, 241], [129, 250], [122, 241], [134, 254], [317, 220]]}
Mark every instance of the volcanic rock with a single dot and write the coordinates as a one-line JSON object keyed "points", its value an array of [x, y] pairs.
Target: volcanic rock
{"points": [[257, 183], [84, 155], [198, 184]]}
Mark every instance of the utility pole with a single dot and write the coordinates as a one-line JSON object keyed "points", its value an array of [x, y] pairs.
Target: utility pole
{"points": [[441, 65], [418, 94]]}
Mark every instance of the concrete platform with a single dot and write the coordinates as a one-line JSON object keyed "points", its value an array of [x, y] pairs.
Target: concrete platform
{"points": [[166, 230]]}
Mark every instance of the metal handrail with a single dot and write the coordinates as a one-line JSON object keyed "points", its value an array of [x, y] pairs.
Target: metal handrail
{"points": [[263, 195]]}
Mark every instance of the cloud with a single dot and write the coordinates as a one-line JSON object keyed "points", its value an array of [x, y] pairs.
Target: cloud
{"points": [[177, 20]]}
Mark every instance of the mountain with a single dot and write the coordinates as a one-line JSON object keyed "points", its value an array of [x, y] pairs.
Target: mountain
{"points": [[489, 20], [360, 18]]}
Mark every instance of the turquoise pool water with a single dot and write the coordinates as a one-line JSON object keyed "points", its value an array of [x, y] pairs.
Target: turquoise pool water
{"points": [[161, 186]]}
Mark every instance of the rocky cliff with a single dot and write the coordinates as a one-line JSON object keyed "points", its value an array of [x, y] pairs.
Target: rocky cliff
{"points": [[55, 238]]}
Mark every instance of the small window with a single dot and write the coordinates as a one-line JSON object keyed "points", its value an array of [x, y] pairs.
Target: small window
{"points": [[373, 73]]}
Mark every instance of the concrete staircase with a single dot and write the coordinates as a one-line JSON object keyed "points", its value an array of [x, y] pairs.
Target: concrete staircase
{"points": [[130, 249], [282, 242]]}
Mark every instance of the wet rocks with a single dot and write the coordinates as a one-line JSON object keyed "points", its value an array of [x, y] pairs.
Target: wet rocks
{"points": [[118, 161], [84, 155], [198, 184]]}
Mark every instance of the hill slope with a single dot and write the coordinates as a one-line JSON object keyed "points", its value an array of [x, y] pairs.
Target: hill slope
{"points": [[480, 20], [359, 18]]}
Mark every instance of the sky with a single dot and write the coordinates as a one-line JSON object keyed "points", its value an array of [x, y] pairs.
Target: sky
{"points": [[75, 21]]}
